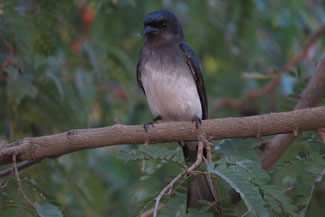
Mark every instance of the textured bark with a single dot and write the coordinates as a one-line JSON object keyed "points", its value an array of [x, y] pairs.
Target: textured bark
{"points": [[309, 98], [75, 140]]}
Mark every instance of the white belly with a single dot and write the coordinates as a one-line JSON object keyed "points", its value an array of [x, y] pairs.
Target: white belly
{"points": [[171, 95]]}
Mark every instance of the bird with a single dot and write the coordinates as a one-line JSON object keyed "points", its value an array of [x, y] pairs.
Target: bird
{"points": [[170, 75]]}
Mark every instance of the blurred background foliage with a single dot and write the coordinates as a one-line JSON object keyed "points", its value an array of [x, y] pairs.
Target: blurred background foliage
{"points": [[71, 64]]}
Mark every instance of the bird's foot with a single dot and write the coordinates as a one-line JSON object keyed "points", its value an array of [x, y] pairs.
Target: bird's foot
{"points": [[146, 125], [197, 121]]}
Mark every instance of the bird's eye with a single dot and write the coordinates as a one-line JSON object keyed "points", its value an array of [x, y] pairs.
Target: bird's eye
{"points": [[164, 25]]}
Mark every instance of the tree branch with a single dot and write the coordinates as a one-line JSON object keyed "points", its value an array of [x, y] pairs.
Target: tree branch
{"points": [[75, 140], [21, 166], [309, 98], [270, 87]]}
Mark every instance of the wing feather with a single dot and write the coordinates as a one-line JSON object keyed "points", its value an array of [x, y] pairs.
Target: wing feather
{"points": [[139, 72], [195, 66]]}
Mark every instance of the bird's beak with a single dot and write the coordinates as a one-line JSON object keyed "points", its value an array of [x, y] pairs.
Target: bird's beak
{"points": [[149, 30]]}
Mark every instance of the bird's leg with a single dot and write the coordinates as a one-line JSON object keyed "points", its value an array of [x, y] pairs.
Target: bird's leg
{"points": [[146, 125], [197, 121]]}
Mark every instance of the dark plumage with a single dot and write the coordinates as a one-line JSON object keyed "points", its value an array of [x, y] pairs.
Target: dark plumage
{"points": [[170, 75]]}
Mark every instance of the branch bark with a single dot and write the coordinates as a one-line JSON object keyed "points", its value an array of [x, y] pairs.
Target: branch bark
{"points": [[309, 98], [75, 140]]}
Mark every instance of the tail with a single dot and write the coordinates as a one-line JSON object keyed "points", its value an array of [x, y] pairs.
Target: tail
{"points": [[201, 188]]}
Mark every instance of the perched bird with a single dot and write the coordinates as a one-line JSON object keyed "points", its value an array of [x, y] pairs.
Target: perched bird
{"points": [[170, 75]]}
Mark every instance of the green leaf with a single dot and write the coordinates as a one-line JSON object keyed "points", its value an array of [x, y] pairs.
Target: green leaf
{"points": [[311, 171], [254, 172], [19, 86], [152, 152], [47, 210], [237, 149], [237, 178], [49, 198], [314, 170], [198, 213], [278, 201]]}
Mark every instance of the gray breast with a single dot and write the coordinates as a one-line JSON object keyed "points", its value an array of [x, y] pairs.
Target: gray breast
{"points": [[169, 85]]}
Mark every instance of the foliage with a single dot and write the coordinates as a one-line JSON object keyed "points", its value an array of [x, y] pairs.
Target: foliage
{"points": [[47, 210], [71, 64], [237, 177], [148, 153]]}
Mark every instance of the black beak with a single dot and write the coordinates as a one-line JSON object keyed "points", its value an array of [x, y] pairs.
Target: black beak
{"points": [[149, 30]]}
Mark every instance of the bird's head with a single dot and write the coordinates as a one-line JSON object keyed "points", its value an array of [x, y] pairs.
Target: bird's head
{"points": [[162, 28]]}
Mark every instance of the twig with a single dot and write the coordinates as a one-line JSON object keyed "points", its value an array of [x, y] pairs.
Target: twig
{"points": [[246, 213], [310, 97], [143, 167], [45, 12], [150, 211], [20, 166], [32, 8], [288, 189], [270, 87], [321, 133], [6, 184], [179, 176], [9, 46], [305, 51], [208, 146], [236, 103], [20, 188], [197, 172], [217, 193], [11, 130]]}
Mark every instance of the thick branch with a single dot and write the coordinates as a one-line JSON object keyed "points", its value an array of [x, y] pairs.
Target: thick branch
{"points": [[75, 140], [309, 98]]}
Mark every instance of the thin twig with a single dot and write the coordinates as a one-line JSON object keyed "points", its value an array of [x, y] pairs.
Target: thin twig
{"points": [[11, 130], [49, 14], [9, 178], [288, 189], [270, 87], [150, 211], [310, 97], [32, 8], [197, 172], [305, 51], [9, 46], [179, 176], [217, 193], [208, 146], [20, 166], [321, 133], [246, 213], [20, 188], [143, 167]]}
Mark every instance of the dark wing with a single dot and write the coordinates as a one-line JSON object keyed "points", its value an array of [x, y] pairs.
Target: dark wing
{"points": [[139, 71], [195, 66]]}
